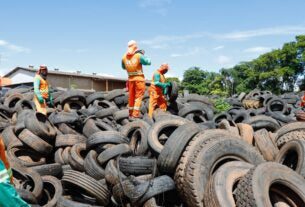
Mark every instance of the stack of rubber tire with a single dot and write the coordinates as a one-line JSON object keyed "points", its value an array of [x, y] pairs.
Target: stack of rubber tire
{"points": [[86, 152]]}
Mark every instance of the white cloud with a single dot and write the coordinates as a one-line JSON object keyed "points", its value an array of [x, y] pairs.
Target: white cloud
{"points": [[3, 43], [154, 3], [223, 60], [241, 35], [160, 46], [218, 47], [271, 31], [257, 49], [13, 48], [157, 6], [191, 52], [168, 40]]}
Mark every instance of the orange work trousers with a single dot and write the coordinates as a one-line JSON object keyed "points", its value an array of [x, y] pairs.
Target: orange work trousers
{"points": [[40, 107], [136, 92], [156, 99]]}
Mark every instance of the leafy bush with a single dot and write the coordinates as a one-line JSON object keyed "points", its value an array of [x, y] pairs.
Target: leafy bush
{"points": [[221, 105]]}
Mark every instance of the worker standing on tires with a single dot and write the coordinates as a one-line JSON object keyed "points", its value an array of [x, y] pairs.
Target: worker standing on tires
{"points": [[132, 62], [41, 90], [8, 195], [158, 89]]}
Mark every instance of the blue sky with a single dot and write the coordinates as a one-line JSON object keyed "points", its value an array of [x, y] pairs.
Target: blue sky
{"points": [[92, 35]]}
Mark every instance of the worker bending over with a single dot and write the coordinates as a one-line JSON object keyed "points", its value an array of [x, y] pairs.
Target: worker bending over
{"points": [[8, 194], [41, 90], [132, 62], [158, 90]]}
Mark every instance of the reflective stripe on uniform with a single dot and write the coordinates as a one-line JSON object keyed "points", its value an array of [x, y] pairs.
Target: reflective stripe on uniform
{"points": [[136, 108], [9, 172], [4, 176], [135, 73]]}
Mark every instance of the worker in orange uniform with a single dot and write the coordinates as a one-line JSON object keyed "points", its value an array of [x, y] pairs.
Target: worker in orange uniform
{"points": [[132, 62], [158, 90], [8, 195], [41, 90]]}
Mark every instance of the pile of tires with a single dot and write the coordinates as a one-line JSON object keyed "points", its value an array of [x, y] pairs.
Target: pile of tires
{"points": [[86, 152]]}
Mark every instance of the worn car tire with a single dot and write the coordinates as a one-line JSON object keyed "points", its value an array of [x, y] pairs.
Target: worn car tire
{"points": [[173, 148], [219, 191], [292, 155], [255, 189]]}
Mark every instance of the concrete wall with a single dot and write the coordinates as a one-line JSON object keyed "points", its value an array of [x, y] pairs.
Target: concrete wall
{"points": [[69, 81]]}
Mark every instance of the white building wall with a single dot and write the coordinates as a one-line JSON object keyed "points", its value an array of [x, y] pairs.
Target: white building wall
{"points": [[21, 76]]}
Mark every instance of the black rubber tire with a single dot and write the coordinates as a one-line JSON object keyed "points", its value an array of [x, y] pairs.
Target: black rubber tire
{"points": [[136, 165], [265, 145], [27, 196], [21, 173], [65, 140], [120, 115], [292, 135], [158, 185], [106, 112], [270, 105], [21, 117], [24, 104], [262, 121], [54, 187], [29, 158], [217, 119], [92, 126], [121, 100], [197, 141], [113, 152], [105, 137], [114, 93], [292, 155], [219, 191], [63, 117], [154, 131], [197, 98], [53, 169], [66, 155], [77, 155], [8, 136], [295, 126], [66, 129], [190, 108], [92, 168], [112, 173], [72, 95], [39, 124], [95, 96], [255, 189], [35, 142], [58, 156], [173, 91], [87, 183], [12, 100], [173, 148], [229, 149]]}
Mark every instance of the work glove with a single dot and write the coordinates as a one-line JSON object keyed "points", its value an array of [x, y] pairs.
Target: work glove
{"points": [[51, 102], [140, 51], [165, 91], [40, 99]]}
